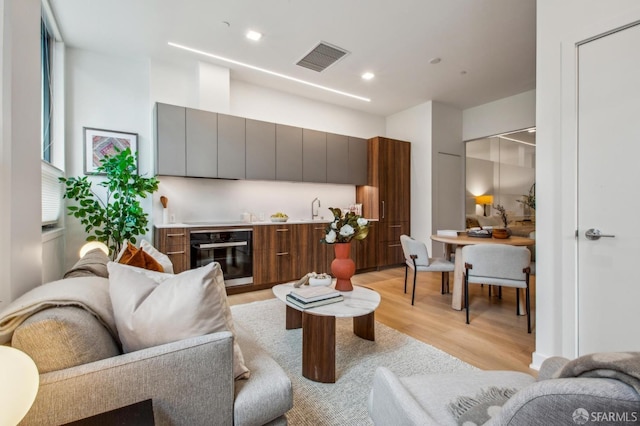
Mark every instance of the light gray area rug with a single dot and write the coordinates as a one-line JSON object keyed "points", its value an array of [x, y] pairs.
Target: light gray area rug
{"points": [[344, 402]]}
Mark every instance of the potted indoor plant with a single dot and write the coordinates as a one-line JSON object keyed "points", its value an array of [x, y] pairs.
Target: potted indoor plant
{"points": [[118, 217], [340, 232]]}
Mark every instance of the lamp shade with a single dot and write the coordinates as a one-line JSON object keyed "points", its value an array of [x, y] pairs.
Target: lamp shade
{"points": [[484, 199], [94, 245], [18, 384]]}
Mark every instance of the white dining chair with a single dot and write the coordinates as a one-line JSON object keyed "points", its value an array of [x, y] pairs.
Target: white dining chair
{"points": [[417, 259], [498, 264]]}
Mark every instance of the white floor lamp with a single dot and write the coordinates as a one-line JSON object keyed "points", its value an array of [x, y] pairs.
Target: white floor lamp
{"points": [[19, 381]]}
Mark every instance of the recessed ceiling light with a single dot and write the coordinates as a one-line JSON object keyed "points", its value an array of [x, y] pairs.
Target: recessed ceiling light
{"points": [[254, 35], [266, 71], [434, 61], [368, 76]]}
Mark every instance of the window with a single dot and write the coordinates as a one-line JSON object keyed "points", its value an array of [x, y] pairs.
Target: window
{"points": [[46, 110], [51, 187]]}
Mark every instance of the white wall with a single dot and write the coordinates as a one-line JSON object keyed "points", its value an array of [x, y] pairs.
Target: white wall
{"points": [[504, 115], [447, 170], [20, 210], [415, 125], [106, 93], [560, 26]]}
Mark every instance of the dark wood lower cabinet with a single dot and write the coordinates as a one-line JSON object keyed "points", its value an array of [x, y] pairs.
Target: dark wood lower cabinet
{"points": [[285, 252], [274, 251]]}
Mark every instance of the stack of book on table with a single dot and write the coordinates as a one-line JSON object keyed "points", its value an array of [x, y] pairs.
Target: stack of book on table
{"points": [[310, 297]]}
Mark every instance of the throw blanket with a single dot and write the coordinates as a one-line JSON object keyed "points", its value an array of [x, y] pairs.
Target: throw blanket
{"points": [[623, 366], [90, 293]]}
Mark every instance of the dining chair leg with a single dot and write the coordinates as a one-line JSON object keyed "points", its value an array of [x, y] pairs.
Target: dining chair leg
{"points": [[406, 271], [517, 301], [442, 284], [466, 295], [490, 291], [413, 296], [499, 292]]}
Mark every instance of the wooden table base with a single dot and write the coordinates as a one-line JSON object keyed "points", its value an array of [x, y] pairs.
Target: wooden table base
{"points": [[319, 341]]}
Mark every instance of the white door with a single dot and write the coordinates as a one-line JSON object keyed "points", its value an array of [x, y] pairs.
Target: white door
{"points": [[609, 192]]}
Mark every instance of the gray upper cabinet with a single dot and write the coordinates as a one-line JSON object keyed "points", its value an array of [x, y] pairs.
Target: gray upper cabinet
{"points": [[358, 161], [196, 143], [170, 129], [231, 147], [288, 153], [202, 143], [261, 150], [338, 158], [314, 156]]}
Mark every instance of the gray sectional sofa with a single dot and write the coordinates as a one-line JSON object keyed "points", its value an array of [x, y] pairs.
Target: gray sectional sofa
{"points": [[83, 371]]}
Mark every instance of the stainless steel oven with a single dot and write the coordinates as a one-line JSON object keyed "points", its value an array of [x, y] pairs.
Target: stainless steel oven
{"points": [[232, 248]]}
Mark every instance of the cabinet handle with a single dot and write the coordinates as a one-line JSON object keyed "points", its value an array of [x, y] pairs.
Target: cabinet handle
{"points": [[175, 252], [319, 229], [383, 209], [395, 245], [282, 230], [395, 226], [175, 235], [282, 254]]}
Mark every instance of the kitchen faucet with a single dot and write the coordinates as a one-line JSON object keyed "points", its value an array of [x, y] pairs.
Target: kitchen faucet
{"points": [[314, 215]]}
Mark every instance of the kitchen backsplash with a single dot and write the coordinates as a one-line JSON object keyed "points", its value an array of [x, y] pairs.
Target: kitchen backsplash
{"points": [[195, 200]]}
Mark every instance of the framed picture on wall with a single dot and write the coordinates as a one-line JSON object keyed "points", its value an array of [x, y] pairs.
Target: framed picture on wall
{"points": [[99, 143]]}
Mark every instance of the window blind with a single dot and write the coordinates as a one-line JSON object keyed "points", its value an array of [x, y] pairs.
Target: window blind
{"points": [[51, 194]]}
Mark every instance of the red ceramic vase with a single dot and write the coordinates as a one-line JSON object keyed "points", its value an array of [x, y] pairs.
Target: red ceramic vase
{"points": [[343, 267]]}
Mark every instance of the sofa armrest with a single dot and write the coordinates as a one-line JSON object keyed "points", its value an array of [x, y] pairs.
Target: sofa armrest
{"points": [[190, 382], [390, 403], [550, 366]]}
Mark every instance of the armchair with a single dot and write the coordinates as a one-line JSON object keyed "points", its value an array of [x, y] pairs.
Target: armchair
{"points": [[597, 386]]}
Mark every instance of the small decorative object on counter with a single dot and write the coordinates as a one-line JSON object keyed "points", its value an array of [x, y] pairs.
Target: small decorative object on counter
{"points": [[165, 211], [340, 232], [279, 217]]}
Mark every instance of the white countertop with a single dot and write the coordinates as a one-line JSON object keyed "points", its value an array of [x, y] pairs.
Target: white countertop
{"points": [[218, 223]]}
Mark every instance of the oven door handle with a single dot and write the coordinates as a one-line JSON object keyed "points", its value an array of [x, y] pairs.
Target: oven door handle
{"points": [[221, 245]]}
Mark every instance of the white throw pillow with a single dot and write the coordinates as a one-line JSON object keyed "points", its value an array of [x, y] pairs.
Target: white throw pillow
{"points": [[152, 308], [160, 257]]}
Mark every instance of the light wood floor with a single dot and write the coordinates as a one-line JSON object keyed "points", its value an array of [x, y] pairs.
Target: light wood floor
{"points": [[495, 339]]}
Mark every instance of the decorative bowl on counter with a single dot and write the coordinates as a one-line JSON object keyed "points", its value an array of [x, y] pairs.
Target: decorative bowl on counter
{"points": [[279, 217]]}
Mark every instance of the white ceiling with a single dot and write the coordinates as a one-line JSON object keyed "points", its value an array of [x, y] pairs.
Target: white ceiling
{"points": [[492, 40]]}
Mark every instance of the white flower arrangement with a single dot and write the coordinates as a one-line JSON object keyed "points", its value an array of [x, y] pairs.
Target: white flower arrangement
{"points": [[345, 228]]}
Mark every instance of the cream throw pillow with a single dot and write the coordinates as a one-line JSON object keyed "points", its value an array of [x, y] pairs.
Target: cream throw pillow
{"points": [[152, 308]]}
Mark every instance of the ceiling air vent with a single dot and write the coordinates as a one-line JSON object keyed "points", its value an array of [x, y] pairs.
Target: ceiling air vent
{"points": [[322, 56]]}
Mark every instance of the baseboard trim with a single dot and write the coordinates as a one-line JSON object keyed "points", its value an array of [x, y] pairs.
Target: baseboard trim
{"points": [[537, 359]]}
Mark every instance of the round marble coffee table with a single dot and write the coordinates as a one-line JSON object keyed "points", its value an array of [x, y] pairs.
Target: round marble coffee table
{"points": [[319, 327]]}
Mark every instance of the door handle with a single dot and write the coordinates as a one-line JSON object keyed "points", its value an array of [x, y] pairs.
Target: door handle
{"points": [[595, 234]]}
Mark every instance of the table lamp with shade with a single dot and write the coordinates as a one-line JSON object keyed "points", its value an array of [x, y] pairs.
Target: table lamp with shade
{"points": [[484, 200], [19, 382], [92, 245]]}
